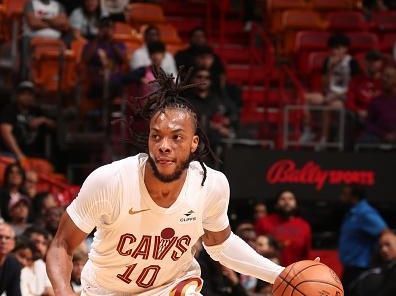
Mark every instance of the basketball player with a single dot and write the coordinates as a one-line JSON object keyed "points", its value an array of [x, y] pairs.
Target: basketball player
{"points": [[149, 210]]}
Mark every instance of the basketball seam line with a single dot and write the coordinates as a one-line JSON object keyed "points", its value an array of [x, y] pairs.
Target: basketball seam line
{"points": [[318, 281], [289, 282]]}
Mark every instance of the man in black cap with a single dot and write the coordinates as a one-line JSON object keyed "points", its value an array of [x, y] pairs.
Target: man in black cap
{"points": [[22, 125]]}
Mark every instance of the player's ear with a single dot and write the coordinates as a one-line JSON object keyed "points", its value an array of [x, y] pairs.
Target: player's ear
{"points": [[194, 144]]}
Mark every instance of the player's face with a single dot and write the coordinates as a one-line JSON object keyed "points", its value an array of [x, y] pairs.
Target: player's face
{"points": [[172, 141]]}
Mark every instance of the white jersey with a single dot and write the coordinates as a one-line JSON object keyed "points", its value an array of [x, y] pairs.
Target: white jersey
{"points": [[140, 248]]}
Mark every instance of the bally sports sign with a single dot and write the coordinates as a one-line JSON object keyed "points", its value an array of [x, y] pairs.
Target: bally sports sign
{"points": [[258, 173]]}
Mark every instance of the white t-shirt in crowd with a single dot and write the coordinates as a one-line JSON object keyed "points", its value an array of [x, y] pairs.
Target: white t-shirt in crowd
{"points": [[43, 11], [87, 26], [34, 280], [140, 58], [140, 248], [113, 6]]}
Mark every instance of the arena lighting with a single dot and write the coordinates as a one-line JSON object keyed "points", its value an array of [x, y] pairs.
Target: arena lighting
{"points": [[286, 171]]}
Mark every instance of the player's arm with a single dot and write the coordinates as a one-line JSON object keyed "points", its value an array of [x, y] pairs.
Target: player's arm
{"points": [[224, 246], [232, 252], [59, 256]]}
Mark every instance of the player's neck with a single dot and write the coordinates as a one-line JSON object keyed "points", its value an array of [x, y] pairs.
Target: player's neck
{"points": [[162, 193]]}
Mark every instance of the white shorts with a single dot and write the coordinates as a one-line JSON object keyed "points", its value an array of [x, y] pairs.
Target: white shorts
{"points": [[188, 285]]}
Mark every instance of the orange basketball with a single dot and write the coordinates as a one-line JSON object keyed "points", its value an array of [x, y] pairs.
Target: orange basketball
{"points": [[308, 278]]}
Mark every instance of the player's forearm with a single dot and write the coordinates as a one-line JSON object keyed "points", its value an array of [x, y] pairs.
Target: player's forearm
{"points": [[59, 268], [235, 254]]}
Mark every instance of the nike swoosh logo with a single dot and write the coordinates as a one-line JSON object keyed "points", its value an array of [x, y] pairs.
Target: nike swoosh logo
{"points": [[132, 212]]}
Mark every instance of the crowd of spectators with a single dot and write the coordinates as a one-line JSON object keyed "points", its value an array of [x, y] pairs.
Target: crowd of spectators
{"points": [[29, 221], [364, 89]]}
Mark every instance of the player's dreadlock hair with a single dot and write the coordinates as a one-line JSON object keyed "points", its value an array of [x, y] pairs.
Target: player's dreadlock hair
{"points": [[168, 95]]}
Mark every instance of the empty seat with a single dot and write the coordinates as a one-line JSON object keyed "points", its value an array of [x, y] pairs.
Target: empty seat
{"points": [[169, 34], [127, 35], [302, 20], [388, 41], [385, 21], [347, 21], [326, 5], [273, 5], [53, 67], [145, 13], [15, 7], [275, 8], [363, 41], [311, 41]]}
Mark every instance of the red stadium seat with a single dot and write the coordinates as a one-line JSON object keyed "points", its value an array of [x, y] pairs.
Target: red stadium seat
{"points": [[347, 21], [275, 8], [48, 57], [145, 13], [326, 5], [15, 7], [127, 35], [169, 34], [311, 41], [385, 21], [302, 20], [273, 5], [363, 41], [388, 42]]}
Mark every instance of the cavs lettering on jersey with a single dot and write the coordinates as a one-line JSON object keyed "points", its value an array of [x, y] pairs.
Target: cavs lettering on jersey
{"points": [[139, 247]]}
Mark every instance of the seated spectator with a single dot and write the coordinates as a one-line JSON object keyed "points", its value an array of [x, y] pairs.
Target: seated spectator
{"points": [[218, 279], [338, 69], [84, 20], [19, 213], [259, 211], [34, 279], [23, 125], [365, 86], [10, 269], [381, 118], [216, 114], [104, 54], [30, 185], [144, 75], [79, 260], [41, 204], [115, 9], [39, 237], [14, 177], [267, 246], [186, 57], [205, 58], [379, 281], [42, 18], [141, 57], [52, 219], [291, 231]]}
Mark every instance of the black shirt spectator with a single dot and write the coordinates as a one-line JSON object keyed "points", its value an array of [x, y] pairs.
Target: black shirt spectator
{"points": [[10, 269], [14, 177], [10, 273], [198, 40], [23, 126]]}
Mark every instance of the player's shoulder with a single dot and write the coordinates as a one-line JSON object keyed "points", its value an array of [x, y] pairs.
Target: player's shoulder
{"points": [[215, 180], [111, 173]]}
